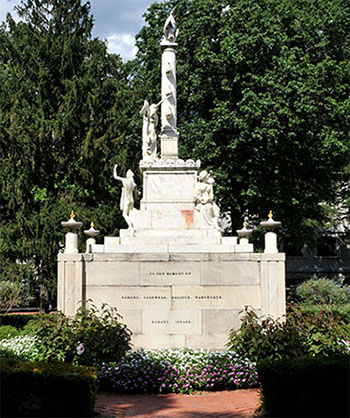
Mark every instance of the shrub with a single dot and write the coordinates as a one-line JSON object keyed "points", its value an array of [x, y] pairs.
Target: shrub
{"points": [[341, 312], [7, 355], [177, 371], [18, 321], [7, 331], [305, 387], [323, 291], [300, 334], [90, 335], [47, 390]]}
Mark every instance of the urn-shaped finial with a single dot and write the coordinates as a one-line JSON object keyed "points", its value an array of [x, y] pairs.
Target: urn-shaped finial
{"points": [[92, 232], [270, 224], [244, 232], [72, 223]]}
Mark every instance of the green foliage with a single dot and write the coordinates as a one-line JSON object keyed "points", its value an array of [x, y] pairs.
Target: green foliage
{"points": [[12, 295], [323, 291], [18, 321], [263, 101], [62, 125], [342, 312], [265, 338], [84, 339], [8, 356], [8, 331], [47, 390], [305, 387], [302, 333]]}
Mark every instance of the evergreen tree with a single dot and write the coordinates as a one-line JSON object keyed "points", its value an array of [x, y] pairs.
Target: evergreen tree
{"points": [[263, 101], [62, 124]]}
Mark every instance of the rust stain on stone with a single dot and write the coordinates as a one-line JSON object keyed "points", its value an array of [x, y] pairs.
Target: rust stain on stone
{"points": [[188, 215]]}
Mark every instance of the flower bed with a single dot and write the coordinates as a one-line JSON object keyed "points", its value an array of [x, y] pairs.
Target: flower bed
{"points": [[22, 346], [177, 371]]}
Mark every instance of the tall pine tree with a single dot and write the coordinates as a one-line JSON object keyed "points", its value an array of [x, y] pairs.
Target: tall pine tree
{"points": [[62, 125]]}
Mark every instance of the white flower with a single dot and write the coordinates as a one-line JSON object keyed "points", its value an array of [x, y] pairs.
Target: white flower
{"points": [[80, 349], [22, 346]]}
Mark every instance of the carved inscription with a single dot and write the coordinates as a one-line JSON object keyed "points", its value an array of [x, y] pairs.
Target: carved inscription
{"points": [[169, 273], [172, 322], [197, 297], [214, 297], [132, 297], [127, 297]]}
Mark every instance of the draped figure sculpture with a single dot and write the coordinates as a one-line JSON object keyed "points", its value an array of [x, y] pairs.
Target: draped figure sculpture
{"points": [[204, 201], [150, 123], [127, 197]]}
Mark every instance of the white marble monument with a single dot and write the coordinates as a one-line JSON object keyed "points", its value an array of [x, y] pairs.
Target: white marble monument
{"points": [[172, 275]]}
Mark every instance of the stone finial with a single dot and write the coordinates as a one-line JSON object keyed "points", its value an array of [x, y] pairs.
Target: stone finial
{"points": [[270, 237], [72, 223], [244, 232], [71, 242], [92, 232], [270, 224]]}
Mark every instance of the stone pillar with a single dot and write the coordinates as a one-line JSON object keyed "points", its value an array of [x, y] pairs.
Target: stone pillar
{"points": [[271, 243], [71, 246], [169, 135], [89, 245]]}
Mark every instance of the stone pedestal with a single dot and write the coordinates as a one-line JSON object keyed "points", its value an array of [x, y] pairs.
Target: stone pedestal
{"points": [[175, 299], [71, 246], [271, 243], [90, 242], [169, 146]]}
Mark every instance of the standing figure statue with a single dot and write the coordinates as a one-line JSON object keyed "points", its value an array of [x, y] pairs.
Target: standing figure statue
{"points": [[171, 32], [204, 201], [150, 123], [127, 197]]}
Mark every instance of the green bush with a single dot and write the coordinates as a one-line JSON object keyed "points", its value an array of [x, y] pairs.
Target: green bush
{"points": [[47, 390], [18, 321], [9, 356], [305, 387], [341, 312], [8, 331], [323, 292], [263, 338], [89, 337], [300, 334]]}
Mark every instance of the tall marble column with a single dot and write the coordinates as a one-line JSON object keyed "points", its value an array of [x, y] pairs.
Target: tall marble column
{"points": [[169, 135]]}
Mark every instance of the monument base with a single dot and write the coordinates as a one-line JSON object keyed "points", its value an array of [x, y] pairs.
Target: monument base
{"points": [[175, 299]]}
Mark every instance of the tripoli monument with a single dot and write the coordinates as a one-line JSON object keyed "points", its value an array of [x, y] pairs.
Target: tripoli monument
{"points": [[174, 278]]}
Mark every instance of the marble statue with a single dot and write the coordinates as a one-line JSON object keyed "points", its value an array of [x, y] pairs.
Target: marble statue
{"points": [[204, 201], [170, 31], [127, 197], [150, 123]]}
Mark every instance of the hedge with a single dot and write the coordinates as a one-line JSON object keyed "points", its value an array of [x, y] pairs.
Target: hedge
{"points": [[46, 390], [305, 387], [18, 321]]}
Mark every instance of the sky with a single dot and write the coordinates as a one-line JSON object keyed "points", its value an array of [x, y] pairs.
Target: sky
{"points": [[117, 21]]}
